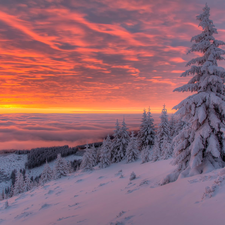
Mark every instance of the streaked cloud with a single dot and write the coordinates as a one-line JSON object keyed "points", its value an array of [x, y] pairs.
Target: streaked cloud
{"points": [[95, 54]]}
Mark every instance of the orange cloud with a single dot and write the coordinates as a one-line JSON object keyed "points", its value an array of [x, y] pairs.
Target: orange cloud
{"points": [[98, 55]]}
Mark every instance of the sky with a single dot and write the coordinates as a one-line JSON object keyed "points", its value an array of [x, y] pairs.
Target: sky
{"points": [[97, 56]]}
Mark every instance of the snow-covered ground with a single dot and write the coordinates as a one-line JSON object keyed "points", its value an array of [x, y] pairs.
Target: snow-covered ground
{"points": [[103, 196], [9, 162]]}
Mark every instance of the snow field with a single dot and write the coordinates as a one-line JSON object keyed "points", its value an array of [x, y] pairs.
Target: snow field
{"points": [[101, 196], [13, 161]]}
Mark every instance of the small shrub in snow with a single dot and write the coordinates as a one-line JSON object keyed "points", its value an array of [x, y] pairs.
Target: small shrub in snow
{"points": [[119, 173], [132, 176], [6, 204], [210, 191]]}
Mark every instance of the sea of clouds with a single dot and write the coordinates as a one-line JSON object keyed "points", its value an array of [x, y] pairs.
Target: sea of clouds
{"points": [[26, 131]]}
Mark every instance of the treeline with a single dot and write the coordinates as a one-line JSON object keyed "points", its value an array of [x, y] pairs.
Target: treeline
{"points": [[152, 142], [38, 156], [22, 152]]}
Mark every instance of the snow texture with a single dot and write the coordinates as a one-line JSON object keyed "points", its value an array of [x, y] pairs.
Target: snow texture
{"points": [[79, 197]]}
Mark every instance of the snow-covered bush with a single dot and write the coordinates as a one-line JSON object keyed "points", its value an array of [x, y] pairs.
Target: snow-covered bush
{"points": [[6, 204], [132, 176]]}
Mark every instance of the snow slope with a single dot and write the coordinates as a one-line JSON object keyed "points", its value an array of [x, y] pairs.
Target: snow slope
{"points": [[9, 162], [103, 196]]}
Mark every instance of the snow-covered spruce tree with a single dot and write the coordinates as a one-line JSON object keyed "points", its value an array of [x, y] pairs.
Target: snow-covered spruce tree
{"points": [[132, 149], [172, 126], [27, 183], [145, 154], [163, 136], [105, 153], [115, 147], [200, 145], [146, 135], [19, 186], [94, 155], [124, 140], [60, 167], [88, 160], [180, 124], [142, 132], [47, 174]]}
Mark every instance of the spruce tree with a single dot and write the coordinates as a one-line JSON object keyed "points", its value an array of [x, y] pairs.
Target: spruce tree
{"points": [[145, 154], [132, 149], [94, 155], [142, 131], [163, 136], [88, 159], [150, 139], [200, 145], [27, 183], [146, 134], [47, 174], [105, 153], [172, 126], [180, 124], [116, 143], [60, 167], [19, 186], [124, 140]]}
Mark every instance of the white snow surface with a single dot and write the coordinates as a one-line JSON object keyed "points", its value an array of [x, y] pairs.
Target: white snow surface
{"points": [[10, 162], [103, 196]]}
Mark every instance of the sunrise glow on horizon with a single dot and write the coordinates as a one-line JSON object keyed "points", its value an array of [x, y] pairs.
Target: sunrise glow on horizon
{"points": [[12, 109]]}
